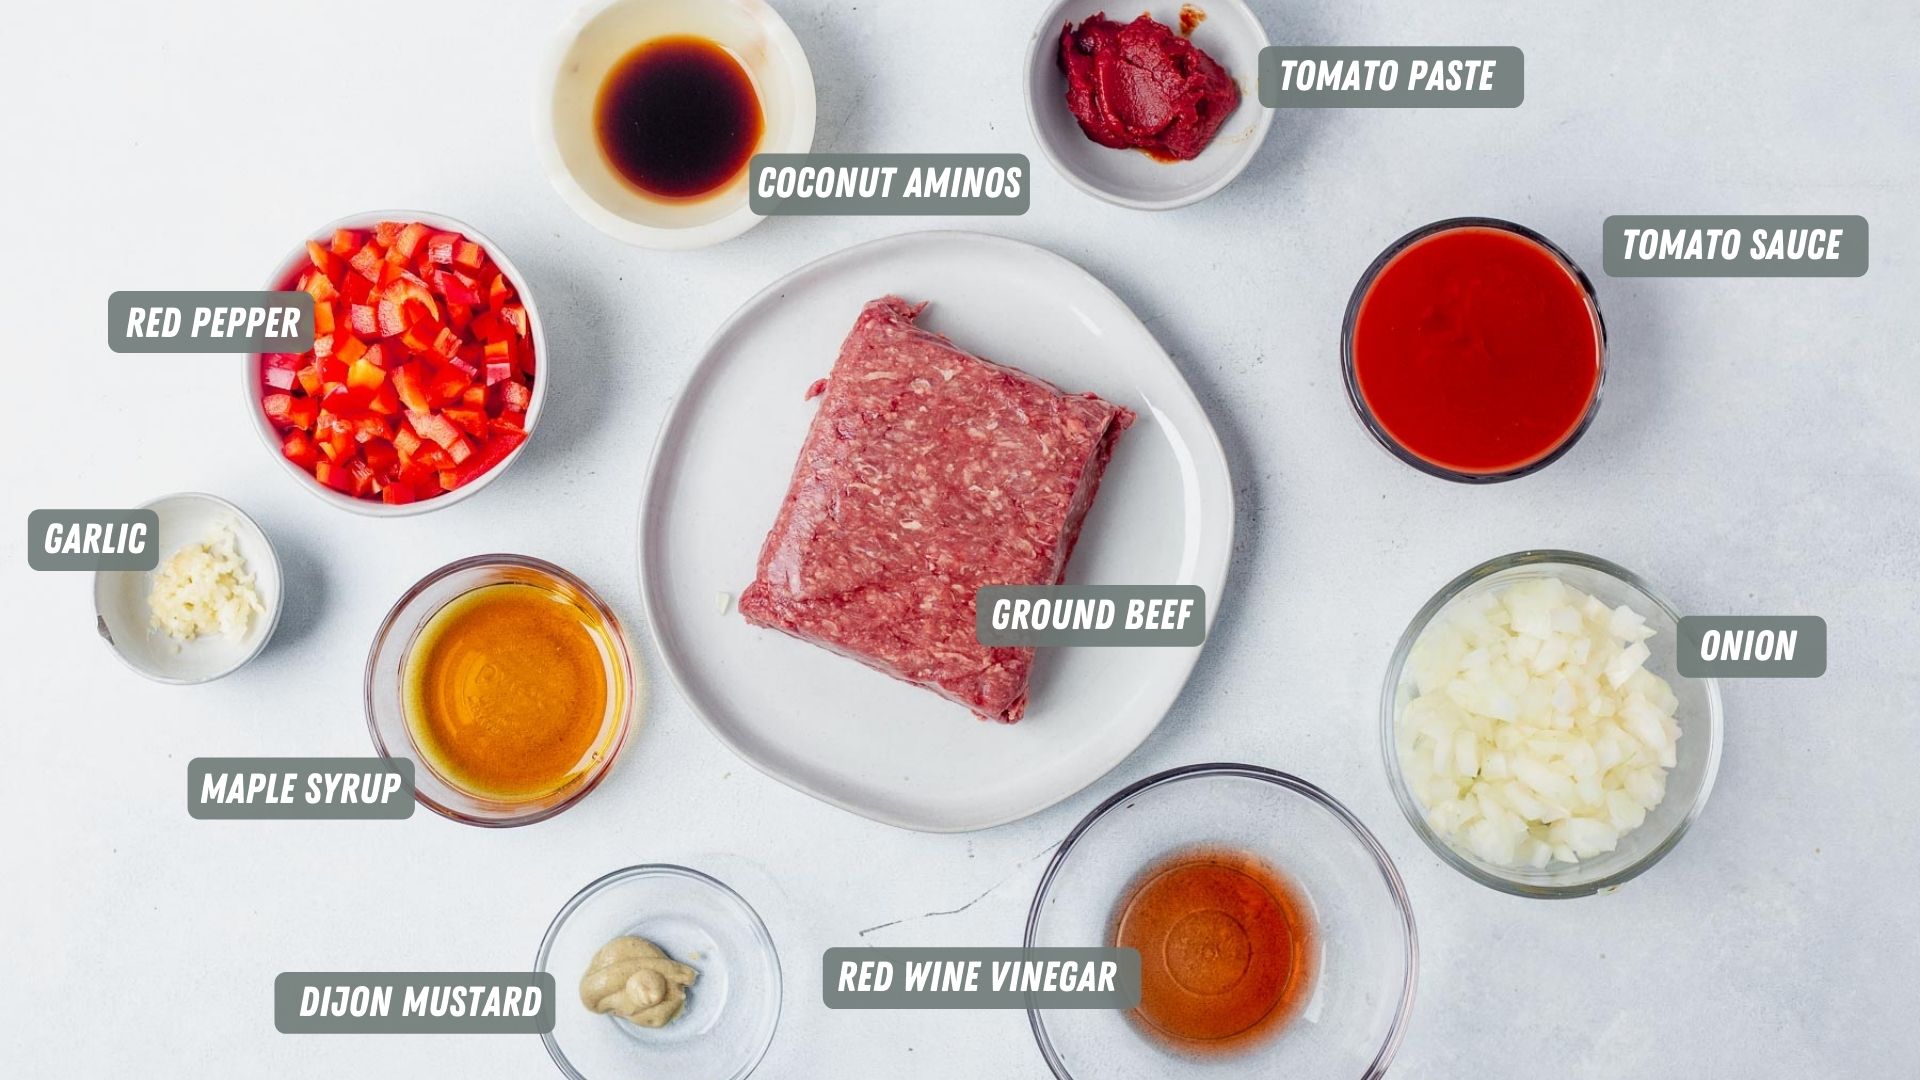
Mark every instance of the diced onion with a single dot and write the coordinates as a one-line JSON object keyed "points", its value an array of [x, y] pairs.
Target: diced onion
{"points": [[1535, 733]]}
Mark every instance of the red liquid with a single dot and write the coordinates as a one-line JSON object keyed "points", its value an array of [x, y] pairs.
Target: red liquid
{"points": [[1476, 350], [1226, 950]]}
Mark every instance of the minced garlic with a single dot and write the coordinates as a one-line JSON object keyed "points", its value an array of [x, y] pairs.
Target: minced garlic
{"points": [[205, 588]]}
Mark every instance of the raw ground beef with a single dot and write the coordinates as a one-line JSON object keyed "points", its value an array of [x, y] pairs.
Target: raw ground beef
{"points": [[927, 473]]}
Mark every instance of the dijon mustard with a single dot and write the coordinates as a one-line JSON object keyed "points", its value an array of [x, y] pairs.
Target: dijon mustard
{"points": [[630, 977]]}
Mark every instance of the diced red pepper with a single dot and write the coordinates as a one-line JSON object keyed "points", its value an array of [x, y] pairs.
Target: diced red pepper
{"points": [[302, 412], [457, 288], [349, 350], [299, 449], [367, 261], [432, 458], [385, 401], [370, 426], [447, 385], [365, 375], [440, 247], [488, 326], [403, 324], [487, 456], [276, 406], [516, 395], [409, 381], [392, 318], [334, 476], [421, 336], [323, 260], [407, 243], [320, 288], [446, 344], [436, 427], [472, 421], [279, 370]]}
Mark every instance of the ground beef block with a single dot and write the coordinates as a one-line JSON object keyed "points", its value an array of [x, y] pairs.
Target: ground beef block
{"points": [[927, 473]]}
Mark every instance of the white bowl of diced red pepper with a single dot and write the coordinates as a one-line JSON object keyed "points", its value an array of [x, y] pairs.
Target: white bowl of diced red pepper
{"points": [[428, 370]]}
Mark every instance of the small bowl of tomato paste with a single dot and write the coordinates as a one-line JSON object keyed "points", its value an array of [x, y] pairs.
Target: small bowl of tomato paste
{"points": [[1474, 350]]}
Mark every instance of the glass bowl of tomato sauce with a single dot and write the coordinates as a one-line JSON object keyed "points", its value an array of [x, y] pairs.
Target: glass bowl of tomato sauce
{"points": [[1474, 350]]}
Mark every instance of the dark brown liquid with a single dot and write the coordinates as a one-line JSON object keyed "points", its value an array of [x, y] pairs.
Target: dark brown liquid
{"points": [[1226, 949], [678, 117]]}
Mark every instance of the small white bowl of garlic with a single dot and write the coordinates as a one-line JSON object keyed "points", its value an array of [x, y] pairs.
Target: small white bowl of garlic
{"points": [[207, 608], [1536, 731]]}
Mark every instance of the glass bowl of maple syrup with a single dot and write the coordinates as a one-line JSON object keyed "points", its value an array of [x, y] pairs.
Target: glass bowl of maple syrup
{"points": [[1275, 935], [652, 110], [507, 682]]}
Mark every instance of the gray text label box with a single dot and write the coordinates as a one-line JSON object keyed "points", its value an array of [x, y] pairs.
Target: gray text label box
{"points": [[996, 607], [1752, 646], [1116, 971], [203, 322], [283, 789], [133, 534], [413, 1002], [1392, 76], [1724, 245], [886, 184]]}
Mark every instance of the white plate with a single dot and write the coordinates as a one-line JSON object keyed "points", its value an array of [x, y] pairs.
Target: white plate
{"points": [[829, 726]]}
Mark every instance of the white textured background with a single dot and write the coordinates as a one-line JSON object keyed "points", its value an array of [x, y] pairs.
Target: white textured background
{"points": [[1756, 453]]}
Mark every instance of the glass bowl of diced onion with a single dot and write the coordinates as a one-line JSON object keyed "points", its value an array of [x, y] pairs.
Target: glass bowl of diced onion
{"points": [[1536, 731]]}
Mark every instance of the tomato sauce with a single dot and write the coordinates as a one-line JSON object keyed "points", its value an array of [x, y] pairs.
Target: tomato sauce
{"points": [[1226, 950], [1477, 350]]}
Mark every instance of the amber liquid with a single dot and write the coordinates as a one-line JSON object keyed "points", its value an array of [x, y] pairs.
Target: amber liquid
{"points": [[506, 691], [1226, 950], [678, 118]]}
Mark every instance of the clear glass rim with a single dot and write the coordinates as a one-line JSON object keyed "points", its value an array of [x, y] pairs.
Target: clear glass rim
{"points": [[588, 779], [1383, 862], [641, 870], [1352, 381], [1389, 720]]}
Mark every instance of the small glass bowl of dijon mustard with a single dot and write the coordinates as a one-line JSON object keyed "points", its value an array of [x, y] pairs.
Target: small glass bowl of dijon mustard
{"points": [[507, 682], [709, 941]]}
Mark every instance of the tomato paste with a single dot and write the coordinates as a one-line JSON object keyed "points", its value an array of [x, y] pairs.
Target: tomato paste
{"points": [[1476, 349], [1140, 85]]}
